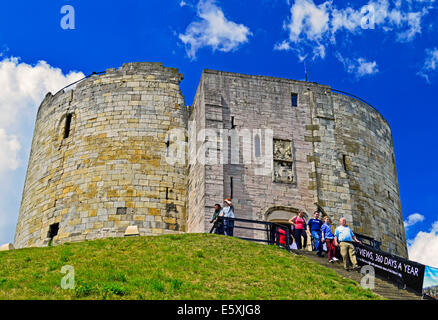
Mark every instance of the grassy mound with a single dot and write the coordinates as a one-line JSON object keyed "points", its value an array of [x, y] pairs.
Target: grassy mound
{"points": [[189, 266]]}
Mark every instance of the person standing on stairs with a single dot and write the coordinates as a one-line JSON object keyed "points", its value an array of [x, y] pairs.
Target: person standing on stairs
{"points": [[299, 225], [329, 239], [344, 238], [314, 227]]}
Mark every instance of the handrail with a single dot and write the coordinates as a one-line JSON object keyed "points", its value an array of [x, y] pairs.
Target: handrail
{"points": [[73, 83], [273, 234], [373, 242], [354, 96]]}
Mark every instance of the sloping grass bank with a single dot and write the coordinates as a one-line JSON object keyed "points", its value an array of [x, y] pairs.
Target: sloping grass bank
{"points": [[188, 266]]}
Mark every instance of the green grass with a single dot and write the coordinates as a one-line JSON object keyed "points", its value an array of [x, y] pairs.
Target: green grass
{"points": [[189, 266]]}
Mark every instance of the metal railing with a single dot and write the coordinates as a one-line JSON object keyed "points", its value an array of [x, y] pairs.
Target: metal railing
{"points": [[366, 240], [80, 80], [271, 233]]}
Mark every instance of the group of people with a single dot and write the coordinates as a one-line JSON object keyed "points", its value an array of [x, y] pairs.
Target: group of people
{"points": [[321, 232], [223, 225]]}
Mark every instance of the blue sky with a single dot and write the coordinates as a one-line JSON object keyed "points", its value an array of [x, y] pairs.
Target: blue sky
{"points": [[383, 51]]}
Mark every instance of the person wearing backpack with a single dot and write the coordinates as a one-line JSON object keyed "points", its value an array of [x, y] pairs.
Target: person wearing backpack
{"points": [[299, 225]]}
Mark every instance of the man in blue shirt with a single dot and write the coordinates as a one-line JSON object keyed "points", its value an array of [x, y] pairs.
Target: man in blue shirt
{"points": [[314, 227], [344, 238]]}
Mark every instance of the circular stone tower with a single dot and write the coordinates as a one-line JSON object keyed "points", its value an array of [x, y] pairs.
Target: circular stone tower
{"points": [[98, 159]]}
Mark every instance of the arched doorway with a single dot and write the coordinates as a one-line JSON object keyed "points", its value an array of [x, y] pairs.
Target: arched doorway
{"points": [[282, 215]]}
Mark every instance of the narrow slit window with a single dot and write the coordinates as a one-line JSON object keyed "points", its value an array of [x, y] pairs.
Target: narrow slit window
{"points": [[231, 187], [232, 123], [294, 99], [67, 126], [257, 146]]}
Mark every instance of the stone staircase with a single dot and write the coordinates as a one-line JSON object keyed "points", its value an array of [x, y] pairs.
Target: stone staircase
{"points": [[383, 287]]}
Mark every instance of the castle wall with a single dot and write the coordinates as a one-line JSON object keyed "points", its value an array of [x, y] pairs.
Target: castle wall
{"points": [[373, 185], [247, 140], [342, 155], [111, 170], [257, 104]]}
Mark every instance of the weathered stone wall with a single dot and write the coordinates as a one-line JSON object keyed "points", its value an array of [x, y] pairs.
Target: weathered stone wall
{"points": [[246, 140], [111, 171], [257, 104], [342, 155], [370, 166]]}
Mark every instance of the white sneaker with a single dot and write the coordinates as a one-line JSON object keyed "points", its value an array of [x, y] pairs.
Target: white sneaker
{"points": [[331, 261], [335, 259]]}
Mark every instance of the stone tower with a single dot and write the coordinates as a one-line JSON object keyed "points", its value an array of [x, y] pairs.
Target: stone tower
{"points": [[103, 157], [98, 159], [297, 145]]}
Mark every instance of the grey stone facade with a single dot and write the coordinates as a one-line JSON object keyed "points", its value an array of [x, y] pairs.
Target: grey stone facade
{"points": [[341, 156], [246, 140], [110, 172]]}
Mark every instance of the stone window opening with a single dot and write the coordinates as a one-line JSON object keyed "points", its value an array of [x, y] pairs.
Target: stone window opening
{"points": [[167, 146], [232, 123], [67, 127], [294, 99], [389, 196], [231, 188], [346, 163], [53, 231], [121, 210]]}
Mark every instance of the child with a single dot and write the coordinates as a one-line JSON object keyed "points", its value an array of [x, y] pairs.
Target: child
{"points": [[328, 236]]}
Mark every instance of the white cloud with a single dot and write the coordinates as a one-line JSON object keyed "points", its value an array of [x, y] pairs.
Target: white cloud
{"points": [[413, 20], [308, 20], [359, 67], [23, 86], [366, 67], [213, 30], [283, 46], [22, 89], [9, 148], [424, 247], [313, 26], [182, 3], [430, 63], [413, 219]]}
